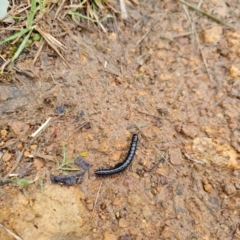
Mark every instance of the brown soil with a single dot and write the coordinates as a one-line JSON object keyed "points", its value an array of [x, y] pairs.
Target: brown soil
{"points": [[168, 74]]}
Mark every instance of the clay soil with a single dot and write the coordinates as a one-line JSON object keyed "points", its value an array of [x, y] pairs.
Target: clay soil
{"points": [[168, 74]]}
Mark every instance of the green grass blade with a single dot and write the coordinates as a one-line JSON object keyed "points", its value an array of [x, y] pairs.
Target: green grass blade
{"points": [[81, 16], [20, 181], [21, 47], [32, 13], [204, 13], [16, 35], [106, 17]]}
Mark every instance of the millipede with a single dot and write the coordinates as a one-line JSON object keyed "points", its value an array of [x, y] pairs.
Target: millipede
{"points": [[122, 165]]}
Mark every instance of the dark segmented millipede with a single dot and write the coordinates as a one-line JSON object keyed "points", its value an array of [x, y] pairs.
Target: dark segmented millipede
{"points": [[123, 165]]}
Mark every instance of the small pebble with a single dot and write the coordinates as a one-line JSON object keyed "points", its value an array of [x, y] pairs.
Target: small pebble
{"points": [[109, 236], [134, 200], [175, 156], [19, 128], [123, 223], [90, 206], [208, 188], [6, 157], [229, 189], [134, 231], [38, 163], [117, 201], [20, 146], [26, 154], [4, 133]]}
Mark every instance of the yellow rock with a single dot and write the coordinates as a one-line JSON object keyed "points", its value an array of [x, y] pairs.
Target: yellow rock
{"points": [[212, 35], [234, 71]]}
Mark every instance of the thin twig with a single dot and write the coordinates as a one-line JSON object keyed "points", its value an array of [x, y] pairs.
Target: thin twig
{"points": [[199, 45], [97, 195], [123, 9], [206, 13], [38, 52], [156, 165], [203, 57], [191, 158], [140, 40], [167, 161], [147, 114], [82, 125], [54, 43], [4, 65], [59, 9], [141, 131], [43, 126], [10, 232], [15, 165]]}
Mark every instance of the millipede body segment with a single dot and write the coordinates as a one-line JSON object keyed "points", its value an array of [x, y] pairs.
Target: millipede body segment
{"points": [[123, 165]]}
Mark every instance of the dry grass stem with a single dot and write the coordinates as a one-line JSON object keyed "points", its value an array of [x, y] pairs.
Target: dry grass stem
{"points": [[10, 232], [4, 65], [16, 164], [97, 196], [205, 13], [42, 127], [123, 9], [54, 43], [59, 9], [38, 52], [140, 40], [191, 158], [166, 160], [198, 43]]}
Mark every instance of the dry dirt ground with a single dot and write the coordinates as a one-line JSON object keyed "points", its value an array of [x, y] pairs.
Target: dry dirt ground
{"points": [[168, 74]]}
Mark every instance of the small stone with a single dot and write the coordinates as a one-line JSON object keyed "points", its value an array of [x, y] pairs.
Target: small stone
{"points": [[163, 180], [20, 146], [19, 128], [117, 215], [125, 238], [103, 206], [33, 147], [103, 217], [208, 188], [175, 156], [109, 236], [26, 154], [6, 156], [234, 71], [113, 36], [213, 35], [123, 223], [229, 189], [88, 200], [214, 151], [4, 133], [117, 201], [147, 213], [38, 163], [166, 232], [90, 206], [189, 131], [161, 171], [237, 185], [134, 231], [134, 200]]}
